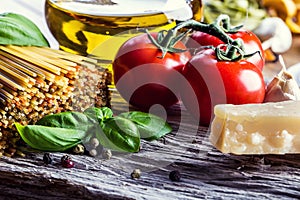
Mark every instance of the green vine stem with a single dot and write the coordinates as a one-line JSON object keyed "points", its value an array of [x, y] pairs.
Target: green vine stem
{"points": [[220, 29]]}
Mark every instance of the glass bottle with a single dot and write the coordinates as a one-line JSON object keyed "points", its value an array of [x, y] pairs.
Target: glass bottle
{"points": [[80, 26]]}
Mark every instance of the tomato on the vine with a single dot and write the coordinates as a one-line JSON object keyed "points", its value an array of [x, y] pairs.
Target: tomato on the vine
{"points": [[144, 76], [252, 44], [215, 82]]}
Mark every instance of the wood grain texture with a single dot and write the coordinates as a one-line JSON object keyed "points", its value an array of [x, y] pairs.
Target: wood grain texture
{"points": [[206, 173]]}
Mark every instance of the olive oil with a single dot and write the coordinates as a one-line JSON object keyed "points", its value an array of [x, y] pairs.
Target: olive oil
{"points": [[197, 9], [81, 27]]}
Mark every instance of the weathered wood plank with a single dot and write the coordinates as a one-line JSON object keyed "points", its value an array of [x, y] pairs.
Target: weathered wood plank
{"points": [[206, 173]]}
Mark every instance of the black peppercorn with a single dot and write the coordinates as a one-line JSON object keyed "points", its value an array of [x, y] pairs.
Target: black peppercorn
{"points": [[66, 161], [47, 158], [175, 175]]}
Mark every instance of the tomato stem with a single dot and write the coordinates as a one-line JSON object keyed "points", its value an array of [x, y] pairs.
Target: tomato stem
{"points": [[166, 39], [219, 29], [232, 50]]}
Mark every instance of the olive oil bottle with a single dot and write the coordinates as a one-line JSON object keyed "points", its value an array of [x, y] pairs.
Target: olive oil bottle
{"points": [[81, 26]]}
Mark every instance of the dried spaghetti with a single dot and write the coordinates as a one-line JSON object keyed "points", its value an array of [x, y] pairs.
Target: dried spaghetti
{"points": [[37, 81]]}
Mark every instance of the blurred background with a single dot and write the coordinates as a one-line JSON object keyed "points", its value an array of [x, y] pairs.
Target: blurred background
{"points": [[250, 13]]}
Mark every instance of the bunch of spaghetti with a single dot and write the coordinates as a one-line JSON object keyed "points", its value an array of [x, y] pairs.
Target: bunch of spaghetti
{"points": [[37, 81]]}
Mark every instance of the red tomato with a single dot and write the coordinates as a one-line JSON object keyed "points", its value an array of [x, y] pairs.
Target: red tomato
{"points": [[143, 78], [251, 43], [215, 82]]}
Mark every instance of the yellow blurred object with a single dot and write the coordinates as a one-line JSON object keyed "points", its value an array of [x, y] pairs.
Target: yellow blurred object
{"points": [[197, 9], [287, 10], [283, 8], [270, 56], [294, 27]]}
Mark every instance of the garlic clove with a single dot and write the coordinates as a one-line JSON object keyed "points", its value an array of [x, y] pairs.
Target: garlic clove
{"points": [[283, 87], [291, 88]]}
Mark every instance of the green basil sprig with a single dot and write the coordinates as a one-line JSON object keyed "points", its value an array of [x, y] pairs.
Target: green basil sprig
{"points": [[70, 120], [50, 138], [151, 127], [58, 132], [119, 134], [99, 114], [115, 133], [16, 29]]}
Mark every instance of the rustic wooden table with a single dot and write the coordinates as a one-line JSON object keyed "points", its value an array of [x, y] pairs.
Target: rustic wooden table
{"points": [[206, 173]]}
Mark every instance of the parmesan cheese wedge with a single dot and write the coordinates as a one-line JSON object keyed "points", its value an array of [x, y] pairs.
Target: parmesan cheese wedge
{"points": [[268, 128]]}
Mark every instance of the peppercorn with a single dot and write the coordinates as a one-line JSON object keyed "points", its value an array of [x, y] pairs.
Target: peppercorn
{"points": [[47, 158], [94, 142], [78, 149], [106, 154], [93, 152], [136, 174], [175, 175], [66, 161]]}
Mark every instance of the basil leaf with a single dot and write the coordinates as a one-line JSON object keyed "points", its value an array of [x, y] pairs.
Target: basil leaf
{"points": [[50, 138], [151, 127], [15, 29], [70, 120], [99, 114], [119, 134]]}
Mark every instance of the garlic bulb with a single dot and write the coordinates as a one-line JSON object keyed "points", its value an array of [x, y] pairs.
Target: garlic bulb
{"points": [[283, 87]]}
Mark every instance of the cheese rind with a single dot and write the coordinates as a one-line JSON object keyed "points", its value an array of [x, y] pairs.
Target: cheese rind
{"points": [[268, 128]]}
